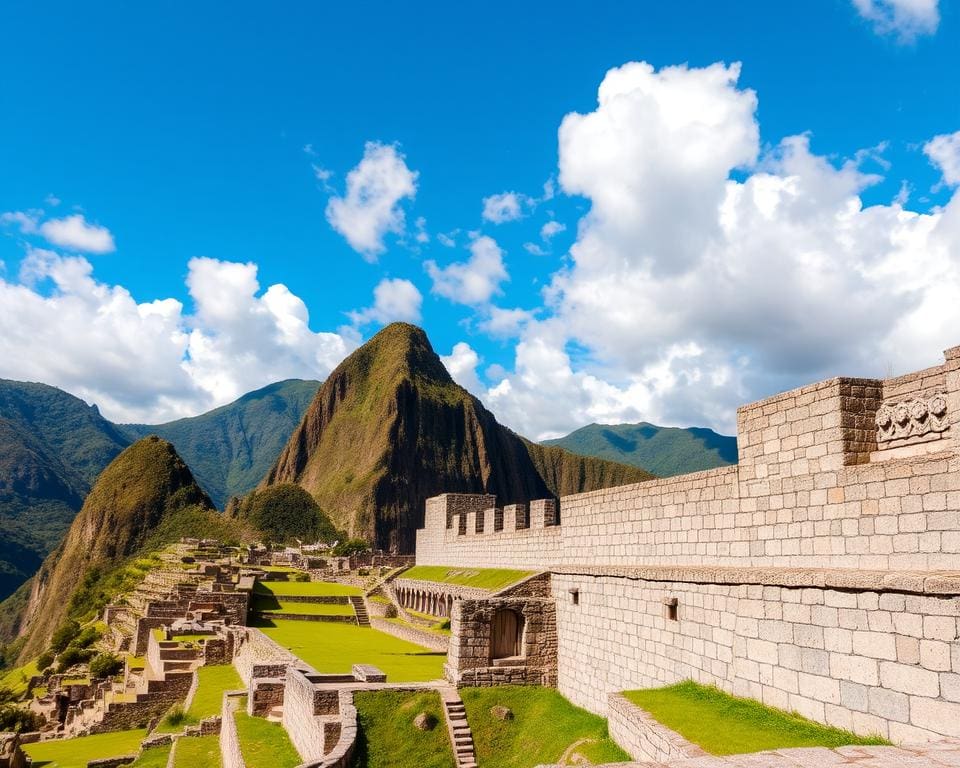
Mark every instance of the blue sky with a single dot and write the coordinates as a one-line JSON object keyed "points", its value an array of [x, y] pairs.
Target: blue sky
{"points": [[223, 133]]}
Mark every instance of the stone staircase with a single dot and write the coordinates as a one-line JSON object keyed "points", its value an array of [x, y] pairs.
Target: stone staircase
{"points": [[458, 728], [360, 609]]}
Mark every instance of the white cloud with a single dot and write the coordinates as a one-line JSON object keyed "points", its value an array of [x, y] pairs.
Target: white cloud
{"points": [[474, 281], [462, 365], [534, 250], [448, 239], [505, 323], [371, 206], [76, 234], [690, 292], [26, 221], [944, 152], [421, 236], [551, 229], [393, 300], [150, 361], [907, 19], [507, 206]]}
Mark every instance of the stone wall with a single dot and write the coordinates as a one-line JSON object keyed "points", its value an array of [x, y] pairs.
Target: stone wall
{"points": [[258, 656], [230, 753], [811, 482], [300, 711], [642, 737], [855, 657], [470, 656], [432, 640]]}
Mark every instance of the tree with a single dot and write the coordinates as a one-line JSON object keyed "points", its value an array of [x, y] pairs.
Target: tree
{"points": [[105, 665], [285, 512]]}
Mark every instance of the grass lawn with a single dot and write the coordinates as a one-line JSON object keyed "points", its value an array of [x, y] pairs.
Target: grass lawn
{"points": [[334, 647], [264, 744], [155, 757], [214, 680], [17, 679], [312, 588], [76, 753], [726, 725], [543, 727], [436, 628], [483, 578], [388, 737], [274, 605], [196, 751]]}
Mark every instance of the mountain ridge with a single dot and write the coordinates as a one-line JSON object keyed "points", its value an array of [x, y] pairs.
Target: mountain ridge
{"points": [[665, 451], [372, 448]]}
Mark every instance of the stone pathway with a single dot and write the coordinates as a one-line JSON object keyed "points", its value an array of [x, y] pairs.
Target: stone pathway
{"points": [[460, 735], [360, 609], [940, 754]]}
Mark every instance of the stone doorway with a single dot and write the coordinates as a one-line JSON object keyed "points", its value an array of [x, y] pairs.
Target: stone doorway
{"points": [[506, 635]]}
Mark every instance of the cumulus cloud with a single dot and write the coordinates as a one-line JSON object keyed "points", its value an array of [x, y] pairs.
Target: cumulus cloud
{"points": [[371, 206], [693, 289], [393, 300], [907, 19], [151, 361], [462, 365], [26, 221], [507, 206], [474, 281], [944, 152], [77, 234]]}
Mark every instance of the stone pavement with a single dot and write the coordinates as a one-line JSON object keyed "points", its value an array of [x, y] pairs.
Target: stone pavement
{"points": [[940, 754]]}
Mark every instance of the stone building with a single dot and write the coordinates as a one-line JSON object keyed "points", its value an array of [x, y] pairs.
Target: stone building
{"points": [[820, 574]]}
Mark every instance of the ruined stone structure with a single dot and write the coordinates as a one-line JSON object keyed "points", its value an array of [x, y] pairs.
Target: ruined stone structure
{"points": [[821, 574]]}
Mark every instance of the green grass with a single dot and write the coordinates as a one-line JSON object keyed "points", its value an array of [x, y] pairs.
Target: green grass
{"points": [[76, 753], [309, 588], [16, 680], [388, 737], [544, 725], [196, 751], [334, 647], [136, 662], [482, 578], [435, 628], [155, 757], [75, 681], [308, 609], [195, 638], [264, 744], [723, 724], [214, 680]]}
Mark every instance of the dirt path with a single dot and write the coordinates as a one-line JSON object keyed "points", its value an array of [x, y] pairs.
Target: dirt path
{"points": [[570, 755]]}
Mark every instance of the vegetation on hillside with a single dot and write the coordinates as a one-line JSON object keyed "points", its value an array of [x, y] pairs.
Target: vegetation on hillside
{"points": [[390, 428], [722, 724], [52, 446], [231, 448], [544, 727], [76, 753], [147, 489], [664, 451], [264, 744], [388, 738], [286, 512]]}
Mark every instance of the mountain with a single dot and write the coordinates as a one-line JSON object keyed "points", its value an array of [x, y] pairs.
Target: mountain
{"points": [[665, 451], [140, 490], [231, 448], [390, 428], [52, 446]]}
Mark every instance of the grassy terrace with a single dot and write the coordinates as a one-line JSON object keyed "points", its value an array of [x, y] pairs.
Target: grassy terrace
{"points": [[335, 647], [196, 751], [207, 701], [155, 757], [17, 679], [76, 753], [264, 744], [388, 737], [273, 605], [305, 588], [722, 724], [482, 578], [545, 728]]}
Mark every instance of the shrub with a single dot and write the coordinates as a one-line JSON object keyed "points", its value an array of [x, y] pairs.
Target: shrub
{"points": [[64, 635], [350, 547], [73, 655], [300, 577], [175, 717], [286, 511], [105, 665], [44, 660], [19, 720], [87, 637]]}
